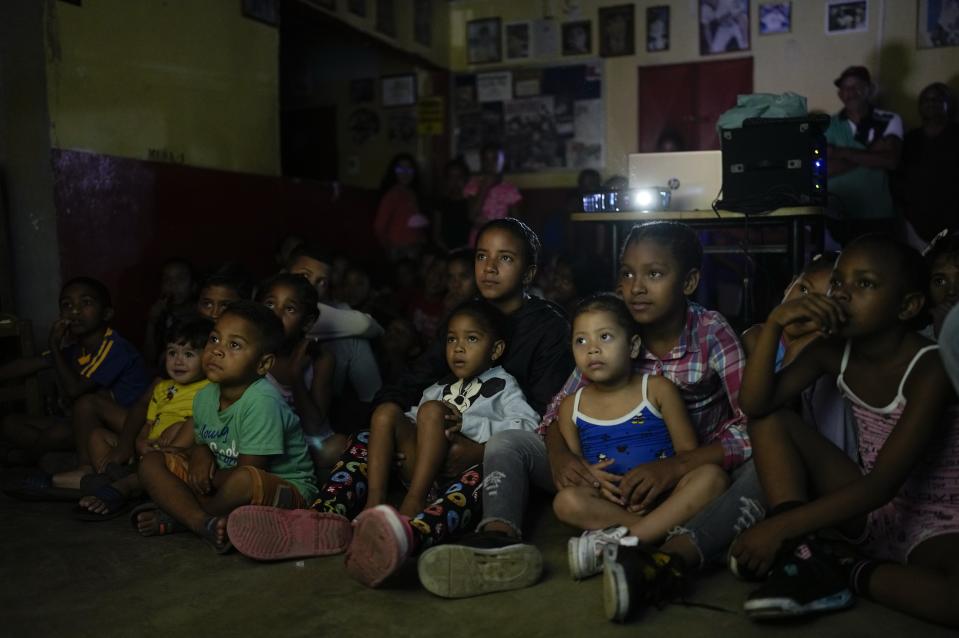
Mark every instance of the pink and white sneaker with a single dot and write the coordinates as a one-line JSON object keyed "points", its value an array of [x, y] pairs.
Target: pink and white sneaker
{"points": [[271, 533], [382, 541]]}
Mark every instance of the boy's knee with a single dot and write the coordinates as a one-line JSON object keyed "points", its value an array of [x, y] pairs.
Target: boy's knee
{"points": [[567, 503], [385, 415], [432, 410], [714, 479], [151, 463]]}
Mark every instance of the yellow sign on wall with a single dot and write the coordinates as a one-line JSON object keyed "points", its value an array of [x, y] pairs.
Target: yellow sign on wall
{"points": [[430, 116]]}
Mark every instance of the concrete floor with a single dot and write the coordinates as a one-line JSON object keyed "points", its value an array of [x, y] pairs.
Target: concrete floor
{"points": [[60, 577]]}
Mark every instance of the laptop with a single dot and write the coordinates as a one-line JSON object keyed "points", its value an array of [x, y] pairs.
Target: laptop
{"points": [[694, 177]]}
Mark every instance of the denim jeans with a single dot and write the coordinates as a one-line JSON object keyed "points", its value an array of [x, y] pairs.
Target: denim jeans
{"points": [[740, 507], [513, 460]]}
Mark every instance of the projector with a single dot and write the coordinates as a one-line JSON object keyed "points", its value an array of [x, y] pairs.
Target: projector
{"points": [[644, 199]]}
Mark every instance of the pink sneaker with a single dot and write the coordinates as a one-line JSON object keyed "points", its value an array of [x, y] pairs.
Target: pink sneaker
{"points": [[270, 533], [382, 540]]}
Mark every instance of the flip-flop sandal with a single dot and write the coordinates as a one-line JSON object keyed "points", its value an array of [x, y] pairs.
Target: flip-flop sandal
{"points": [[117, 504], [116, 471], [209, 535], [166, 524], [91, 483]]}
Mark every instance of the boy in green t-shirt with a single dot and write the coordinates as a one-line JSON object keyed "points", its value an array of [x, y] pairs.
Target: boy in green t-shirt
{"points": [[244, 445]]}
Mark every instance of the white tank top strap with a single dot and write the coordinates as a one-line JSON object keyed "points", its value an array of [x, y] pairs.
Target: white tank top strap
{"points": [[845, 357], [912, 364], [645, 385], [576, 403]]}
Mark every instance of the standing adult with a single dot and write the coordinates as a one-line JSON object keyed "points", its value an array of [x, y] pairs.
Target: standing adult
{"points": [[490, 196], [864, 146], [927, 184], [398, 225]]}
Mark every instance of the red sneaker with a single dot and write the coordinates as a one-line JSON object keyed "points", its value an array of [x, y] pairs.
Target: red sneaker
{"points": [[382, 541], [270, 533]]}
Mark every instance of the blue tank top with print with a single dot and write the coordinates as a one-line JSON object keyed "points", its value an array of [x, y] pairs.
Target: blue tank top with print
{"points": [[636, 438]]}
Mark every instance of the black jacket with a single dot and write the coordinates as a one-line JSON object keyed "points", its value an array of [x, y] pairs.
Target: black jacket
{"points": [[537, 353]]}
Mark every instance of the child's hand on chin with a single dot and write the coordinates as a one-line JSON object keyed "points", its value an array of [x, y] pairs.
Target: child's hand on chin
{"points": [[821, 310]]}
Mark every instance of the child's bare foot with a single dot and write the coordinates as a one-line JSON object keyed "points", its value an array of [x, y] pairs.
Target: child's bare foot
{"points": [[214, 532], [149, 520]]}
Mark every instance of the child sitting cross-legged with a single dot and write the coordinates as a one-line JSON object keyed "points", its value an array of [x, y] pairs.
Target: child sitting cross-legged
{"points": [[152, 423], [477, 399], [899, 505], [620, 420], [243, 445], [100, 374]]}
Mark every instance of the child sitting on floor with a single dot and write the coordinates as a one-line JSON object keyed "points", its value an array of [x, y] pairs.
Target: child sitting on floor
{"points": [[303, 372], [221, 289], [942, 255], [477, 399], [822, 404], [619, 421], [900, 503], [178, 288], [99, 372], [152, 423], [243, 445]]}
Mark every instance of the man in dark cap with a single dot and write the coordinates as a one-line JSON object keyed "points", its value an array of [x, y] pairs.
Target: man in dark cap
{"points": [[864, 145]]}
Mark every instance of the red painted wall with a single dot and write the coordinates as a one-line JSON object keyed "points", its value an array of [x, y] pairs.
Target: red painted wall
{"points": [[119, 219]]}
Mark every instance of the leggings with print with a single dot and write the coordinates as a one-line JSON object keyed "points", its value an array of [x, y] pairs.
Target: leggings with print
{"points": [[456, 509]]}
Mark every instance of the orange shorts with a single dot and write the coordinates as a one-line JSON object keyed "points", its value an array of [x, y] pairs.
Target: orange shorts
{"points": [[266, 489]]}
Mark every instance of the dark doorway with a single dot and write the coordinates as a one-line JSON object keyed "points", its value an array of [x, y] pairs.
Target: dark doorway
{"points": [[680, 103]]}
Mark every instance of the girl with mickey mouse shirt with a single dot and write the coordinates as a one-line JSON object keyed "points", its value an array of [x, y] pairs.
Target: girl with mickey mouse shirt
{"points": [[477, 399]]}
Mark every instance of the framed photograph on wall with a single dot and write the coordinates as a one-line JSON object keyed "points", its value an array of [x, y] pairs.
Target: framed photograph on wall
{"points": [[775, 17], [578, 37], [398, 90], [847, 17], [265, 11], [723, 26], [938, 24], [617, 31], [483, 41], [657, 29], [517, 40]]}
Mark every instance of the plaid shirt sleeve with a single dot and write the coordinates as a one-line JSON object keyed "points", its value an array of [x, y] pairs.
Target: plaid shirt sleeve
{"points": [[573, 383], [727, 358]]}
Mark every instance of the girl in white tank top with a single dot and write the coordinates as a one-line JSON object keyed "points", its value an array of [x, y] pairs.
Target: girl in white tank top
{"points": [[901, 501]]}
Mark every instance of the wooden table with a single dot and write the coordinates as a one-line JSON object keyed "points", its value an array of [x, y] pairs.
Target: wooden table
{"points": [[795, 220]]}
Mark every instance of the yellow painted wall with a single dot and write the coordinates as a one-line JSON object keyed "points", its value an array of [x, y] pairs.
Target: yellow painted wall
{"points": [[805, 61], [190, 77]]}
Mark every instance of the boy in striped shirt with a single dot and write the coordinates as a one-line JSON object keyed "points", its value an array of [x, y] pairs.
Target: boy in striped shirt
{"points": [[99, 373]]}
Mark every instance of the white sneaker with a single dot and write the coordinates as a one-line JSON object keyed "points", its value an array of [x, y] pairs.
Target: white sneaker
{"points": [[586, 551]]}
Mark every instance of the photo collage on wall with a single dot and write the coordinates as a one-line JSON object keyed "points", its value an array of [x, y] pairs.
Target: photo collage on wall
{"points": [[546, 118]]}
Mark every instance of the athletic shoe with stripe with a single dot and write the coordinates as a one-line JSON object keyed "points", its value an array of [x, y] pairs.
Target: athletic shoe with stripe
{"points": [[806, 579]]}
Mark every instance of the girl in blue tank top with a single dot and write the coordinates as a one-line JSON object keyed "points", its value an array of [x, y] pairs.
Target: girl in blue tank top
{"points": [[619, 421]]}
